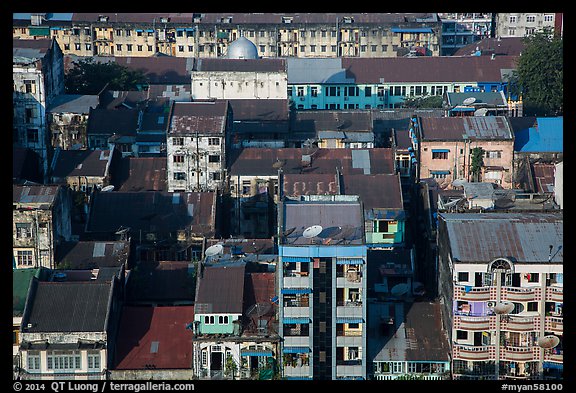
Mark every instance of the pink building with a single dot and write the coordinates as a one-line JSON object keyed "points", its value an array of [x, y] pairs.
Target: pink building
{"points": [[445, 146]]}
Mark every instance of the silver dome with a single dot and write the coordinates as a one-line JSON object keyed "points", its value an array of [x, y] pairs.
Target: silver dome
{"points": [[242, 48]]}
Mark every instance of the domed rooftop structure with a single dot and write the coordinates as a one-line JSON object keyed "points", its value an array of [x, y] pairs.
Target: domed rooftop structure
{"points": [[242, 48]]}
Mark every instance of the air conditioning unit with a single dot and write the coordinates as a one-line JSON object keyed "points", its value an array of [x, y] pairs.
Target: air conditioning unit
{"points": [[491, 304]]}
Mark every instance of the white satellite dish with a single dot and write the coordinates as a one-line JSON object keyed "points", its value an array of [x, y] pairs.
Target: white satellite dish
{"points": [[481, 112], [469, 101], [312, 231], [458, 182], [108, 188], [548, 341], [400, 289], [504, 308], [214, 250]]}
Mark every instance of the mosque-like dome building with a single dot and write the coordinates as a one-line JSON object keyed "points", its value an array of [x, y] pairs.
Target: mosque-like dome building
{"points": [[242, 48]]}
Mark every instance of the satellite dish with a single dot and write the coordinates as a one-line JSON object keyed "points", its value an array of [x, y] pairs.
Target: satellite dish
{"points": [[214, 250], [108, 188], [504, 308], [469, 101], [481, 112], [279, 164], [330, 232], [312, 231], [400, 289], [458, 182], [548, 341], [418, 289]]}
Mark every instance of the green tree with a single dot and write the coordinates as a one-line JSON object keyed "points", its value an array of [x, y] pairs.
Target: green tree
{"points": [[423, 102], [90, 77], [476, 162], [539, 75]]}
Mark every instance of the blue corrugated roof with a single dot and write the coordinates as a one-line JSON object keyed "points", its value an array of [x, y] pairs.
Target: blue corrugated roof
{"points": [[546, 137]]}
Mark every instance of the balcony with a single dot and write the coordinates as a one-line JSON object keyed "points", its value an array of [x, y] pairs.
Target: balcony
{"points": [[481, 294], [518, 324], [470, 352], [472, 323], [519, 354], [514, 294], [554, 324], [555, 294]]}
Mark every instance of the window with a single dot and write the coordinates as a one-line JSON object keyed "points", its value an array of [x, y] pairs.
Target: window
{"points": [[463, 276], [223, 319], [213, 158], [118, 32], [322, 48], [512, 31], [128, 33], [23, 230], [384, 48], [532, 306], [533, 277], [494, 154], [33, 362], [180, 48], [129, 47], [190, 48], [178, 159], [139, 47], [314, 91], [289, 91], [418, 90], [209, 319], [178, 141], [312, 48], [461, 335], [89, 46], [30, 86], [149, 48], [548, 18], [119, 47], [94, 361], [66, 46], [216, 176], [57, 360], [368, 91], [439, 155], [513, 19], [439, 175], [179, 176], [32, 135], [213, 141], [530, 18], [300, 91], [333, 91]]}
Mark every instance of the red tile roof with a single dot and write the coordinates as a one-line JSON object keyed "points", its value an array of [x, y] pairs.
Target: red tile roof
{"points": [[145, 329]]}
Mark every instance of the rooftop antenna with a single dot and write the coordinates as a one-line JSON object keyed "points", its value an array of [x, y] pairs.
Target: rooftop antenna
{"points": [[550, 253]]}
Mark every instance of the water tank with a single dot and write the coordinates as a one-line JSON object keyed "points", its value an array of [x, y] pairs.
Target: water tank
{"points": [[242, 48]]}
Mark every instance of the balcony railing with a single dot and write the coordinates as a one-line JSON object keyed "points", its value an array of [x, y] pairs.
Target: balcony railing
{"points": [[472, 293], [470, 352], [472, 323], [519, 354], [554, 324], [520, 294], [555, 294], [521, 324]]}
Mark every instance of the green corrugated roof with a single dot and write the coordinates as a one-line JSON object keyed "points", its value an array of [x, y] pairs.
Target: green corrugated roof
{"points": [[20, 283]]}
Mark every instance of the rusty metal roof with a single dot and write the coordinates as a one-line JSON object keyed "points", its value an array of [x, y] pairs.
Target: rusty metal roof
{"points": [[92, 254], [203, 117], [155, 337], [260, 161], [81, 163], [36, 194], [163, 281], [310, 184], [543, 177], [142, 174], [474, 127], [522, 237], [220, 289], [260, 110], [240, 65], [381, 191], [448, 69]]}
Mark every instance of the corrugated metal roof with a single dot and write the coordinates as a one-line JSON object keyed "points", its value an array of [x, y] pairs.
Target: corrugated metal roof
{"points": [[73, 103], [69, 307], [380, 191], [316, 70], [310, 184], [240, 65], [155, 336], [221, 289], [202, 117], [539, 135], [342, 222], [143, 174], [448, 69], [35, 194], [525, 237], [80, 163], [91, 254], [475, 127]]}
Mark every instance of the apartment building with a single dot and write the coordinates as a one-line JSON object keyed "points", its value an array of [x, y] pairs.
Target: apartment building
{"points": [[501, 278], [210, 34], [41, 218], [197, 144], [38, 77], [322, 306], [526, 24], [460, 29]]}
